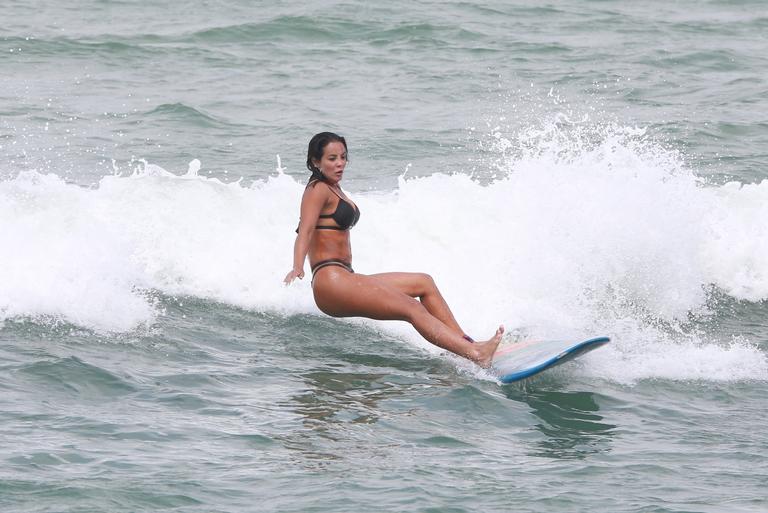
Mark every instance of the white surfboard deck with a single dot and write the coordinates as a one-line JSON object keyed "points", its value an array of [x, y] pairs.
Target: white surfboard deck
{"points": [[522, 360]]}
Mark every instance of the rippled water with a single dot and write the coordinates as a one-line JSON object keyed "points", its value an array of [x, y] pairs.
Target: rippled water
{"points": [[568, 169]]}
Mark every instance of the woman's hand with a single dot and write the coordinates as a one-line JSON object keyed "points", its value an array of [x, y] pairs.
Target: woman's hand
{"points": [[293, 275]]}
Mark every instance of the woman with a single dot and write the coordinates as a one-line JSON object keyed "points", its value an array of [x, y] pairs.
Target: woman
{"points": [[327, 215]]}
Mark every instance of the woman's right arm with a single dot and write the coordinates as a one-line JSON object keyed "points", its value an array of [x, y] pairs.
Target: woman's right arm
{"points": [[311, 205]]}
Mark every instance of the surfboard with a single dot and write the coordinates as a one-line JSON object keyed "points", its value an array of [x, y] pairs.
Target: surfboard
{"points": [[522, 360]]}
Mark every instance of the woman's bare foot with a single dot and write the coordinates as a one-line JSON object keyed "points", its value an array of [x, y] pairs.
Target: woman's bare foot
{"points": [[482, 353]]}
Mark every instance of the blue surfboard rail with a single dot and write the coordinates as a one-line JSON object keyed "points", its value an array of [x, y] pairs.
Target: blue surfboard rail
{"points": [[509, 370]]}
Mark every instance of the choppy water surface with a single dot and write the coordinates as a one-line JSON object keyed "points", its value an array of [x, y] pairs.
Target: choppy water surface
{"points": [[567, 169]]}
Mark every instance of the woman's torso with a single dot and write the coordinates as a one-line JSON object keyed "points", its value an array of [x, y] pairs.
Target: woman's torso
{"points": [[330, 238]]}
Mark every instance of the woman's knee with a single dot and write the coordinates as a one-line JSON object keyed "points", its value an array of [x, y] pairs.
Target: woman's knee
{"points": [[425, 281], [425, 277], [428, 284]]}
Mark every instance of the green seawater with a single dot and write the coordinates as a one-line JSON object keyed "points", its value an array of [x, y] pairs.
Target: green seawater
{"points": [[226, 410], [147, 365]]}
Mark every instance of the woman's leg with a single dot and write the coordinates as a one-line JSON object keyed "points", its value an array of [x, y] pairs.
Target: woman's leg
{"points": [[423, 287], [343, 294]]}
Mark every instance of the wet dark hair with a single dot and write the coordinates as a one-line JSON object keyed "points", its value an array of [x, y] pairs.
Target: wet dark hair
{"points": [[316, 148]]}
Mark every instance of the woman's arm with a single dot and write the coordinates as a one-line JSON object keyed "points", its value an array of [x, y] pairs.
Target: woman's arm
{"points": [[311, 205]]}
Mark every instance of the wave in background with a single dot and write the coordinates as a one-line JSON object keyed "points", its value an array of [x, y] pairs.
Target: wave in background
{"points": [[581, 230]]}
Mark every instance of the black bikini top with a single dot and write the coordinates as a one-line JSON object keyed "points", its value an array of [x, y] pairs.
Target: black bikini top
{"points": [[345, 216]]}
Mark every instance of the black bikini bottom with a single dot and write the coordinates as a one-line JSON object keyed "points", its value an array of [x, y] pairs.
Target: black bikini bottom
{"points": [[331, 261]]}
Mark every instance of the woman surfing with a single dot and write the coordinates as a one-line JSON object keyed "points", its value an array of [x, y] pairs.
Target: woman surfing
{"points": [[327, 215]]}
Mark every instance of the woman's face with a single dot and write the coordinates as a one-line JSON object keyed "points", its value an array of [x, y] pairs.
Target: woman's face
{"points": [[333, 162]]}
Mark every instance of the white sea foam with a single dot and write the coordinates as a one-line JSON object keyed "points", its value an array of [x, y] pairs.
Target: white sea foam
{"points": [[574, 237]]}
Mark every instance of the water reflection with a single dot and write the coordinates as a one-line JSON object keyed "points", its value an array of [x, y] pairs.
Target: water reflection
{"points": [[347, 371], [338, 408], [570, 422], [337, 397]]}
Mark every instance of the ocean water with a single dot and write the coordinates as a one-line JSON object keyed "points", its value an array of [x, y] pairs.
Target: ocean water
{"points": [[568, 169]]}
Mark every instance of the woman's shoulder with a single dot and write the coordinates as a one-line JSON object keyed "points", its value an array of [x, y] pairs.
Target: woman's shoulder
{"points": [[312, 189]]}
